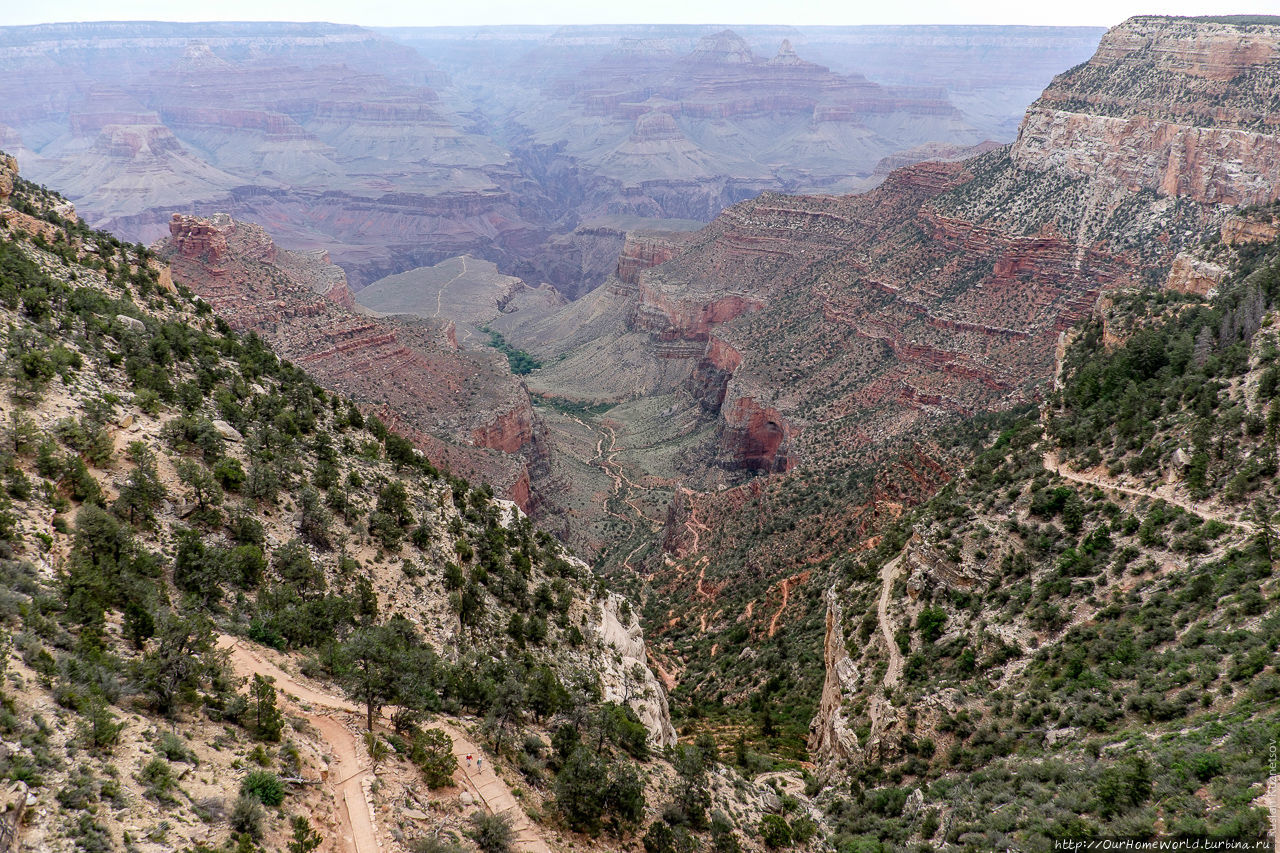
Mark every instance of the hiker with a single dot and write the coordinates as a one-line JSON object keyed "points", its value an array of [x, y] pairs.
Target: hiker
{"points": [[468, 759], [479, 763]]}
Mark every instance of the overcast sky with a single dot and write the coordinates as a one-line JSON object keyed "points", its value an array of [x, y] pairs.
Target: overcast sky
{"points": [[795, 12]]}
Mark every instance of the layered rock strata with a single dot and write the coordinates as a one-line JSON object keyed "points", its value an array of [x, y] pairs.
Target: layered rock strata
{"points": [[463, 408]]}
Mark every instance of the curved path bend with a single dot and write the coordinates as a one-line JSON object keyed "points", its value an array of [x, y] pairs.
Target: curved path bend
{"points": [[877, 703], [350, 773]]}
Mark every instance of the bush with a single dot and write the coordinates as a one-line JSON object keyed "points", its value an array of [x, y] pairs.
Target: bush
{"points": [[774, 831], [492, 833], [247, 815], [264, 786], [157, 775], [172, 747], [432, 751]]}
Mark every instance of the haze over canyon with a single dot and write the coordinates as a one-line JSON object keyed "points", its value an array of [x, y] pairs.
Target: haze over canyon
{"points": [[840, 438]]}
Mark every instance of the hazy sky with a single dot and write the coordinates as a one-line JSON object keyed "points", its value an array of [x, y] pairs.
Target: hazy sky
{"points": [[453, 12]]}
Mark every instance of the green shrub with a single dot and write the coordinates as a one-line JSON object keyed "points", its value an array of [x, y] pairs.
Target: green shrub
{"points": [[264, 786], [775, 832]]}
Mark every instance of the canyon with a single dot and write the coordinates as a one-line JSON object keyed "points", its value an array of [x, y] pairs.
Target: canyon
{"points": [[884, 471], [534, 149], [796, 338], [799, 343], [463, 408]]}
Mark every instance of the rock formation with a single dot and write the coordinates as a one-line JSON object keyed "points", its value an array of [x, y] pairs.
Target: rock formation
{"points": [[462, 407], [627, 678], [8, 173], [340, 139]]}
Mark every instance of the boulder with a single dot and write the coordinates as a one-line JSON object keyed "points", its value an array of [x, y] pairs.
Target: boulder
{"points": [[227, 431], [133, 324]]}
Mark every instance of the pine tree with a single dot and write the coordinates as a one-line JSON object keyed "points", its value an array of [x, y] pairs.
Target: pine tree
{"points": [[268, 722]]}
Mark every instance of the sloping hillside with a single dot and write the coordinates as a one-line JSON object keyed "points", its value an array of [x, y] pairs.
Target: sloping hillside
{"points": [[1077, 635], [242, 613]]}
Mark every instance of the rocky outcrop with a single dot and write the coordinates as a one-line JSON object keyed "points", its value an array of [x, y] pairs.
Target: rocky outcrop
{"points": [[1189, 274], [510, 432], [709, 381], [1142, 153], [831, 738], [8, 174], [670, 317], [643, 250], [755, 438], [1248, 229], [1174, 106], [625, 673], [197, 239]]}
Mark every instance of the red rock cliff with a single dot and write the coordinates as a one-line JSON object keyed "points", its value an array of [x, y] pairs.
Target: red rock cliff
{"points": [[458, 406]]}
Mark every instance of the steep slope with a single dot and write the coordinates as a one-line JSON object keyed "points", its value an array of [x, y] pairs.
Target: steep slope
{"points": [[184, 510], [462, 406], [841, 344], [1092, 603]]}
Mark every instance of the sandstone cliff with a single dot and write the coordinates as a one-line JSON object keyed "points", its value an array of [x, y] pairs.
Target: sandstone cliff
{"points": [[1174, 106]]}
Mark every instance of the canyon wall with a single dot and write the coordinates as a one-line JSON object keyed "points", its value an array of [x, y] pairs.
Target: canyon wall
{"points": [[1172, 106], [463, 408], [1123, 164], [341, 139]]}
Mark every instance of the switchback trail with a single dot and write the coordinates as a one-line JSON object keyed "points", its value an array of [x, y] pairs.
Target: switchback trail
{"points": [[348, 774], [348, 778], [877, 703], [606, 460]]}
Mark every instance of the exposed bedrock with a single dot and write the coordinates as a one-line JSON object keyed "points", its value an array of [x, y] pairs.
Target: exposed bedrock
{"points": [[1178, 107], [754, 437]]}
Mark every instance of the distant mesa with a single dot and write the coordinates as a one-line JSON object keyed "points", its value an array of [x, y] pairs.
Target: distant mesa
{"points": [[652, 127], [199, 58], [723, 48]]}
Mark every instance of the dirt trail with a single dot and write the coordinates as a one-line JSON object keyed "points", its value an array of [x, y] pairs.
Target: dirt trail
{"points": [[889, 574], [606, 460], [1051, 463], [794, 580], [878, 707], [693, 524], [493, 792], [351, 773], [445, 286], [614, 469]]}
